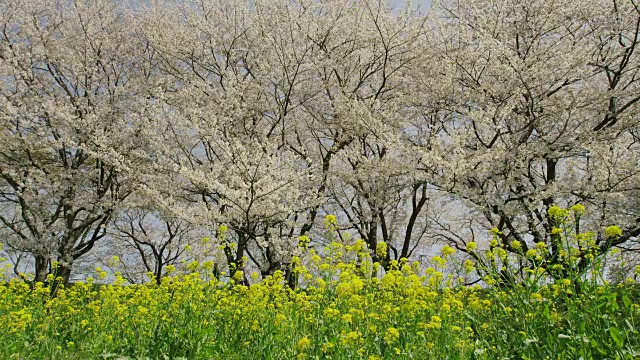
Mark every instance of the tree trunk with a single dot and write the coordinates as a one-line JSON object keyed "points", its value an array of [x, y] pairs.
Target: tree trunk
{"points": [[62, 275], [158, 272], [41, 269]]}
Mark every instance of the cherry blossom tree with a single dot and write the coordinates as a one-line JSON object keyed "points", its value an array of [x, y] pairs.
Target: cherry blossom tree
{"points": [[280, 90], [538, 107], [226, 118], [71, 134], [150, 126]]}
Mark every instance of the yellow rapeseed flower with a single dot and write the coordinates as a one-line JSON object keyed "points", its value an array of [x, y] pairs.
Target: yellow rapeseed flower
{"points": [[381, 249], [348, 318], [391, 335], [439, 261], [328, 347], [558, 213], [578, 209], [447, 250], [303, 344], [612, 232]]}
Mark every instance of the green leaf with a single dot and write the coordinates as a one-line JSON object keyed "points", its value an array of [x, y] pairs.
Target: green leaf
{"points": [[616, 335], [613, 302], [630, 327], [594, 345], [626, 301]]}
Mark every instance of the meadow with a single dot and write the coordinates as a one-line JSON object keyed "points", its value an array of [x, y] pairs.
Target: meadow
{"points": [[343, 307]]}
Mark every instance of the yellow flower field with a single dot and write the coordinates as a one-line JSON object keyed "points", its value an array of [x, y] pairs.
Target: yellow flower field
{"points": [[344, 306], [340, 311]]}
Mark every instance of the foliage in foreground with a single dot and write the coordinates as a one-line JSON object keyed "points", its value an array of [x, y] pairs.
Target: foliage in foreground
{"points": [[341, 311]]}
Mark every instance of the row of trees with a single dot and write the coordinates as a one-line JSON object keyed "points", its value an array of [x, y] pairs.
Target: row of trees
{"points": [[138, 130]]}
